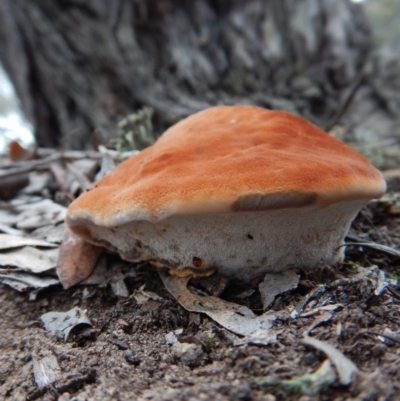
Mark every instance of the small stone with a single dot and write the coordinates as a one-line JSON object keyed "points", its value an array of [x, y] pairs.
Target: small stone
{"points": [[269, 397], [64, 397], [188, 354], [131, 357], [120, 344], [241, 393], [171, 338]]}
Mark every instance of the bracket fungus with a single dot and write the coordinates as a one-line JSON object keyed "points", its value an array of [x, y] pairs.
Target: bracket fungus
{"points": [[238, 190]]}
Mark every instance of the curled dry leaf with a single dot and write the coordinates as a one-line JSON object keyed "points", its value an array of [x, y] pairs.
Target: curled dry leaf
{"points": [[141, 296], [62, 323], [377, 247], [322, 318], [24, 281], [119, 288], [76, 260], [319, 309], [14, 241], [345, 368], [87, 167], [17, 153], [275, 284], [308, 383], [27, 259], [324, 313], [8, 216], [11, 231], [38, 181], [313, 294], [236, 318], [51, 233], [31, 212]]}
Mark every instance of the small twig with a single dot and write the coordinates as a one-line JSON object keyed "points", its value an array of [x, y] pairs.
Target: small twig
{"points": [[376, 145], [10, 270], [393, 292], [315, 293], [49, 157], [58, 173], [354, 280], [71, 386], [378, 247], [346, 102], [391, 337], [28, 166], [120, 344], [84, 182], [11, 231]]}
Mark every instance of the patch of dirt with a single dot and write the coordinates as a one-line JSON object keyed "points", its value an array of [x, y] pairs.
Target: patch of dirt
{"points": [[125, 355]]}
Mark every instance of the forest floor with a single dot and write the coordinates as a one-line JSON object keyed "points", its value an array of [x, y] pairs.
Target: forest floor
{"points": [[125, 354]]}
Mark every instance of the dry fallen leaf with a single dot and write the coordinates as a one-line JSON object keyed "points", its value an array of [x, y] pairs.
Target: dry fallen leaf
{"points": [[17, 153], [38, 182], [62, 323], [378, 247], [236, 318], [51, 233], [345, 368], [275, 284], [34, 212], [87, 167], [24, 281], [11, 231], [322, 318], [119, 288], [308, 383], [14, 241], [141, 296], [76, 260], [27, 259]]}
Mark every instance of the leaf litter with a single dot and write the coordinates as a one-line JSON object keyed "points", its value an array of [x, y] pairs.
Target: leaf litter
{"points": [[63, 323], [12, 241], [276, 284], [345, 368], [236, 318], [33, 220]]}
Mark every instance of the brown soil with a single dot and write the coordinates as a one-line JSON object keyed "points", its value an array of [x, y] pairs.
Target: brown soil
{"points": [[125, 356]]}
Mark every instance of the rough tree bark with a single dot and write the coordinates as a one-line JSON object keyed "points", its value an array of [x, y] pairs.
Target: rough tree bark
{"points": [[81, 65]]}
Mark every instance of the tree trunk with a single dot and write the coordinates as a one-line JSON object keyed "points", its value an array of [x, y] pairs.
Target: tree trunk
{"points": [[82, 65]]}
